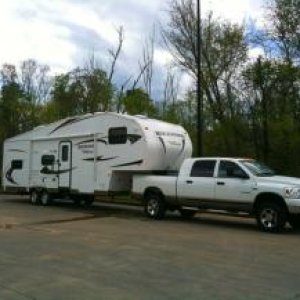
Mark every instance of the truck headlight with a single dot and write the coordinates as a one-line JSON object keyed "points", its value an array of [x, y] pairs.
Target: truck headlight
{"points": [[292, 192]]}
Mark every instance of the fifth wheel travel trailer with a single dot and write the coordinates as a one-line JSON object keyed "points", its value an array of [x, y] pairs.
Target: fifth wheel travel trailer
{"points": [[91, 154]]}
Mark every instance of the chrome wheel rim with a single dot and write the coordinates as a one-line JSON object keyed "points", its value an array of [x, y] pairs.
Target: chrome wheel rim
{"points": [[269, 218], [152, 207]]}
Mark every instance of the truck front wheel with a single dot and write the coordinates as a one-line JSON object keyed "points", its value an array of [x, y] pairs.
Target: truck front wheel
{"points": [[271, 217], [155, 207]]}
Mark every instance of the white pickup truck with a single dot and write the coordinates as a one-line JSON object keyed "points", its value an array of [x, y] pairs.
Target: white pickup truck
{"points": [[230, 184]]}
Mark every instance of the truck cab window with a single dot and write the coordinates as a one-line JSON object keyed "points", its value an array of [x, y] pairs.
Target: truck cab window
{"points": [[203, 168], [117, 135], [47, 160], [230, 169], [17, 164]]}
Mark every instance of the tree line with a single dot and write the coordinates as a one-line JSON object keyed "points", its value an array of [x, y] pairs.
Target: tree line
{"points": [[251, 106]]}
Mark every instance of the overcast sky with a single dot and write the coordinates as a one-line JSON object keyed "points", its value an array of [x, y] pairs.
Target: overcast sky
{"points": [[63, 33]]}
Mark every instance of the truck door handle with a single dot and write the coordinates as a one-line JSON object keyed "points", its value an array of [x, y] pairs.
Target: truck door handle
{"points": [[189, 182], [220, 183]]}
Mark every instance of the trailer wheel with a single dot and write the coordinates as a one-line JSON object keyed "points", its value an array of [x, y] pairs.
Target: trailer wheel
{"points": [[35, 197], [271, 217], [45, 198], [88, 201], [155, 207], [77, 201]]}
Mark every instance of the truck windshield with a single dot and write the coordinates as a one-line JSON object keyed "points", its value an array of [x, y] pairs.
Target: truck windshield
{"points": [[257, 168]]}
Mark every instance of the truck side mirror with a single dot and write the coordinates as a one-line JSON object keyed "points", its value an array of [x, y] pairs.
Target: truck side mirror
{"points": [[243, 176]]}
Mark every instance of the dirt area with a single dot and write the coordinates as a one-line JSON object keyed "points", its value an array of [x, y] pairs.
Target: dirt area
{"points": [[114, 252]]}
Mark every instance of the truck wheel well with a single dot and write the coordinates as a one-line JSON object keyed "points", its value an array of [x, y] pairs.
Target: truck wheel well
{"points": [[268, 197], [153, 190]]}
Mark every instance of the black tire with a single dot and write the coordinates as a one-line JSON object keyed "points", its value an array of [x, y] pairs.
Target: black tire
{"points": [[155, 207], [77, 201], [35, 197], [271, 217], [187, 213], [88, 201], [294, 221], [45, 198]]}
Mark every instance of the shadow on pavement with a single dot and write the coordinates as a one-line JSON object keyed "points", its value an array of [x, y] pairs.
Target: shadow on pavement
{"points": [[106, 210]]}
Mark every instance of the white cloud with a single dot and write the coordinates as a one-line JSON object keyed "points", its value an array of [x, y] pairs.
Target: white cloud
{"points": [[24, 38], [235, 10], [254, 53], [162, 56]]}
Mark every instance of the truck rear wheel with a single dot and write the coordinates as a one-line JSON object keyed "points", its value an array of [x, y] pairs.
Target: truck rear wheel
{"points": [[271, 217], [155, 207]]}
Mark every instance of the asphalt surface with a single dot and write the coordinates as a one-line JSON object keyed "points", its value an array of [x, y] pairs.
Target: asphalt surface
{"points": [[114, 252]]}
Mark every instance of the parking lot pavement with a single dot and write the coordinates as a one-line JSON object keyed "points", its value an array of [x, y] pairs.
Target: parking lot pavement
{"points": [[114, 252]]}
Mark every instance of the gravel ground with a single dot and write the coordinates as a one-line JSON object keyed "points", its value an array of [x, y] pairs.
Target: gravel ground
{"points": [[114, 252]]}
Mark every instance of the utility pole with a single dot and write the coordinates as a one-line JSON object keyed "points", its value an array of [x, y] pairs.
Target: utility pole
{"points": [[199, 83]]}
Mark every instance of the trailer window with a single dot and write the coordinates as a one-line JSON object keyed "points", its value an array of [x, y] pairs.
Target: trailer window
{"points": [[203, 168], [65, 153], [48, 160], [17, 164], [117, 135]]}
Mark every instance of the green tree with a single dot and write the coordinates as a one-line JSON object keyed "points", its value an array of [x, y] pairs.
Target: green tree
{"points": [[10, 109], [35, 82], [64, 98], [137, 102], [284, 17], [10, 102], [224, 50], [272, 89], [80, 91]]}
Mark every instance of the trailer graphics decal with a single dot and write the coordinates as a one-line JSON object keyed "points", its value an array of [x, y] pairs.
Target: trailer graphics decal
{"points": [[47, 171], [163, 144], [133, 138], [137, 162], [100, 158], [17, 150], [183, 146], [8, 176], [83, 144], [70, 121], [67, 122]]}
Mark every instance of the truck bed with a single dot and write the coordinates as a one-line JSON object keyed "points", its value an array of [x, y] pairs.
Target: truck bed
{"points": [[166, 183]]}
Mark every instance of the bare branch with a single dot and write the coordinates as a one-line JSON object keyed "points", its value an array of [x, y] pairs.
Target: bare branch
{"points": [[138, 78], [148, 58], [116, 53]]}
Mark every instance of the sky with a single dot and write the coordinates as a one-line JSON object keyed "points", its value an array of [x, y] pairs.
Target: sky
{"points": [[64, 33]]}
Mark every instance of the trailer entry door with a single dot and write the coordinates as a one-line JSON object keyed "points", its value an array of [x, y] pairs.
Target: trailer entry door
{"points": [[65, 164]]}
